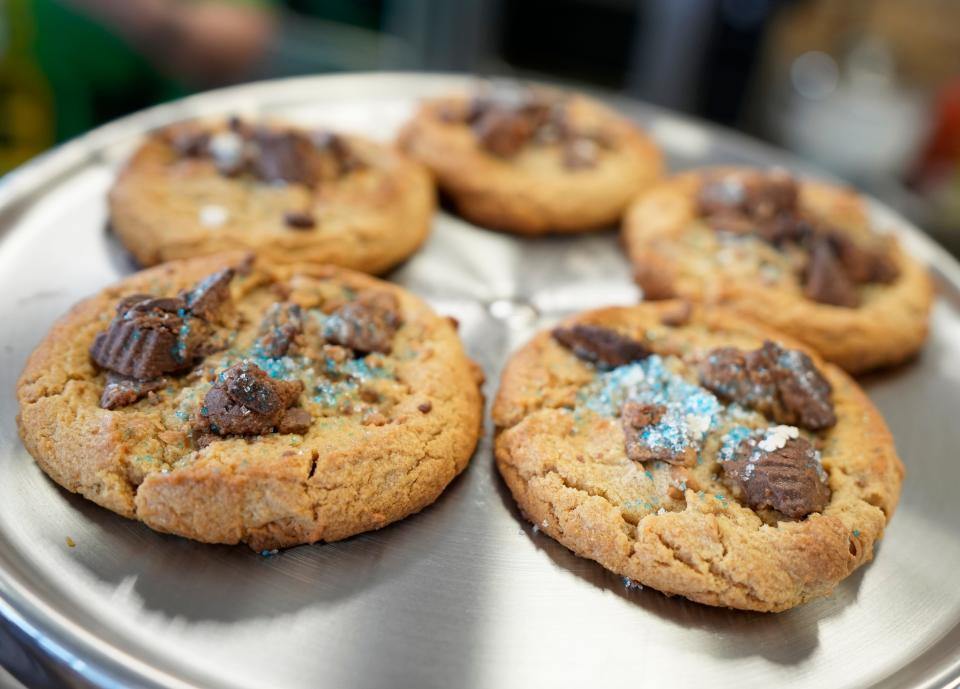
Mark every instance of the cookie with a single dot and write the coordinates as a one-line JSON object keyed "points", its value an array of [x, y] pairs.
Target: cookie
{"points": [[798, 256], [533, 162], [696, 453], [287, 194], [230, 400]]}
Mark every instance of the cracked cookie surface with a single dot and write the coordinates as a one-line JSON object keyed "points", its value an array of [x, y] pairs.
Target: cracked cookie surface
{"points": [[797, 255], [694, 490], [533, 162], [273, 423], [289, 194]]}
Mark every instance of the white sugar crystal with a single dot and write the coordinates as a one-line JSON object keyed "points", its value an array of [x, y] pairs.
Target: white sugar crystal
{"points": [[214, 216], [227, 148], [698, 424], [777, 437]]}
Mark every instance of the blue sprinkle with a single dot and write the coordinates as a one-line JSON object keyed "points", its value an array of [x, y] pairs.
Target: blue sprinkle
{"points": [[856, 533]]}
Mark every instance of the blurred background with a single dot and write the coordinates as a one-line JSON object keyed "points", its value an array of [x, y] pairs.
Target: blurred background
{"points": [[868, 89]]}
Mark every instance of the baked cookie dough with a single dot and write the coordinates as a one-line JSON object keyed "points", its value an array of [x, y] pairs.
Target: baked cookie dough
{"points": [[798, 256], [696, 453], [226, 400], [288, 194], [533, 162]]}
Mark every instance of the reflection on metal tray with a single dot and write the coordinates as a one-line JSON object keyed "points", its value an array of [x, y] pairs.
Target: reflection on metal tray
{"points": [[464, 593]]}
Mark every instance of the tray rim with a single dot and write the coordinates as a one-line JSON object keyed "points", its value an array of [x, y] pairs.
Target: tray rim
{"points": [[95, 660]]}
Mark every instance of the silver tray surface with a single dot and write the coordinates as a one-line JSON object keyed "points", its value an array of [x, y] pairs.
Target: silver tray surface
{"points": [[465, 593]]}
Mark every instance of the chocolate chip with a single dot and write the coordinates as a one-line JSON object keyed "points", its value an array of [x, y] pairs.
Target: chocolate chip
{"points": [[826, 281], [209, 295], [121, 391], [781, 383], [784, 475], [279, 330], [299, 220], [600, 345], [366, 324], [425, 407], [296, 420], [246, 401], [635, 417]]}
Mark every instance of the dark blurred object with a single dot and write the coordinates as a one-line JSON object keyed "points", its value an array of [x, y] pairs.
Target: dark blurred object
{"points": [[845, 84], [852, 86]]}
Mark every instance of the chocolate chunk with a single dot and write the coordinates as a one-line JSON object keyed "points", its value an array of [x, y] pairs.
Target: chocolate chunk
{"points": [[826, 281], [366, 324], [781, 383], [280, 329], [721, 194], [188, 142], [770, 194], [121, 391], [247, 401], [299, 220], [209, 295], [143, 339], [284, 156], [337, 146], [425, 407], [863, 265], [296, 420], [782, 473], [764, 204], [504, 132], [600, 345], [635, 417]]}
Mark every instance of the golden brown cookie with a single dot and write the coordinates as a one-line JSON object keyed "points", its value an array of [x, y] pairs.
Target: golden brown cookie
{"points": [[798, 256], [696, 453], [533, 162], [229, 400], [288, 194]]}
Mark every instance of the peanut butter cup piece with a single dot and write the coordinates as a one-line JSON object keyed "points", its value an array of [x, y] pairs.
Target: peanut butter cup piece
{"points": [[780, 470], [247, 401], [783, 384], [826, 281], [142, 341], [285, 156], [280, 329], [599, 345], [209, 296], [635, 418], [121, 391], [152, 336], [366, 324], [861, 264]]}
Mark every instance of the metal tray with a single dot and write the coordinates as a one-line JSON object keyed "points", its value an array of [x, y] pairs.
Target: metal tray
{"points": [[465, 593]]}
